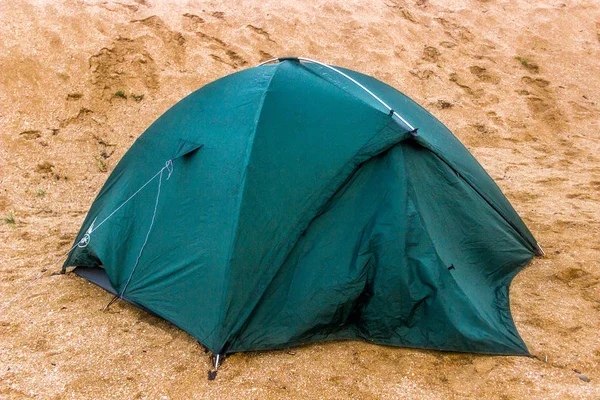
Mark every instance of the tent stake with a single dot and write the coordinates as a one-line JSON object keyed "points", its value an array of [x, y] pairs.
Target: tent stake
{"points": [[114, 299], [539, 251], [217, 359]]}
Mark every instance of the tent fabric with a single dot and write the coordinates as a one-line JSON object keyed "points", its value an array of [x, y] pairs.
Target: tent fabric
{"points": [[298, 209]]}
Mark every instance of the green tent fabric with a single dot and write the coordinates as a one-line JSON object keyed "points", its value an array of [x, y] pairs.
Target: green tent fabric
{"points": [[284, 204]]}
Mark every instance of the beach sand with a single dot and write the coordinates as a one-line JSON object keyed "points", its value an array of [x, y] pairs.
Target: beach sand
{"points": [[517, 81]]}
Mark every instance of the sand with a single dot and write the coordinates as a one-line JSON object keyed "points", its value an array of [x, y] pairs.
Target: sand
{"points": [[517, 81]]}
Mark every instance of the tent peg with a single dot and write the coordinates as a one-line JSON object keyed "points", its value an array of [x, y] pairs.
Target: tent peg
{"points": [[217, 359], [111, 302], [539, 251]]}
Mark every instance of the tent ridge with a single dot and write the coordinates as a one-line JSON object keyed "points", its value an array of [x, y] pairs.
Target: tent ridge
{"points": [[391, 111]]}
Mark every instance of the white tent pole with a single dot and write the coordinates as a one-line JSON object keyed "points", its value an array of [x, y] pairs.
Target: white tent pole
{"points": [[349, 78]]}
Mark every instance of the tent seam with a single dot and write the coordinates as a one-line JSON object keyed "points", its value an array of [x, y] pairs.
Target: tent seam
{"points": [[249, 148]]}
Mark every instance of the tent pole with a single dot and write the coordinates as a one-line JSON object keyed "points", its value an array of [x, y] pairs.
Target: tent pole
{"points": [[390, 109]]}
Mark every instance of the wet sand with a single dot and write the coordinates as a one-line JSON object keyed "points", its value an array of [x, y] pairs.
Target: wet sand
{"points": [[517, 81]]}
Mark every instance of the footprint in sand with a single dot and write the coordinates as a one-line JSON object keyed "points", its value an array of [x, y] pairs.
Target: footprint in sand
{"points": [[456, 31], [422, 74], [264, 56], [542, 101], [536, 82], [483, 75], [192, 22], [173, 41], [234, 60], [125, 63], [431, 54], [261, 32]]}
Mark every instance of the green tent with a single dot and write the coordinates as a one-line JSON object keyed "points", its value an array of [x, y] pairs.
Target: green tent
{"points": [[296, 202]]}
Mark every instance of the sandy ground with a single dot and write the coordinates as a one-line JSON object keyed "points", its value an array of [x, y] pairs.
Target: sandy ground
{"points": [[532, 122]]}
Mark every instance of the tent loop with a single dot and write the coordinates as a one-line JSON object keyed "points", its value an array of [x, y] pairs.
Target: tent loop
{"points": [[169, 167], [390, 109], [85, 240]]}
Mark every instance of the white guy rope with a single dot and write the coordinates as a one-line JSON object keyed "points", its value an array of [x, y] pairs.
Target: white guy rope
{"points": [[149, 229], [168, 165], [86, 238]]}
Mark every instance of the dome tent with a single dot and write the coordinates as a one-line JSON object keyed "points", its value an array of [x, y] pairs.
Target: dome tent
{"points": [[295, 202]]}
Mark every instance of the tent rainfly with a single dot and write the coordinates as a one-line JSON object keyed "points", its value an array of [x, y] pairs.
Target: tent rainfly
{"points": [[297, 202]]}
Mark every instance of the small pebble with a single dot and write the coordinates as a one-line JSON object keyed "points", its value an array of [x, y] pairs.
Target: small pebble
{"points": [[583, 377]]}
